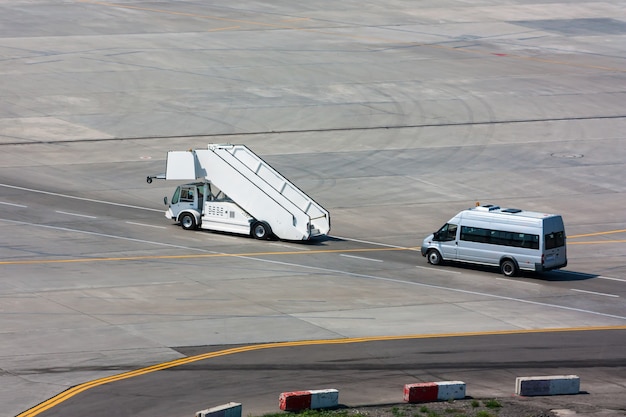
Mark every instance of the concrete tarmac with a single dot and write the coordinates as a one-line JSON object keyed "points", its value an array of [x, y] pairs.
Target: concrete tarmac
{"points": [[393, 115]]}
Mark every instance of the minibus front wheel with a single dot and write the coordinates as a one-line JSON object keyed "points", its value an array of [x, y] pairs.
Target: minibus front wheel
{"points": [[434, 257], [508, 267]]}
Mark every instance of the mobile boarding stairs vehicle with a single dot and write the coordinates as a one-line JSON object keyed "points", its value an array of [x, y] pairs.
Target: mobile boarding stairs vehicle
{"points": [[235, 191]]}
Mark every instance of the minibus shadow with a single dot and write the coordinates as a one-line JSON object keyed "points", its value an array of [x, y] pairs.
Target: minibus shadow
{"points": [[561, 275], [556, 275]]}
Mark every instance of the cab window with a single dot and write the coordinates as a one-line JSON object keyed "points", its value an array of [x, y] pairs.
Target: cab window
{"points": [[446, 233], [176, 196], [186, 194]]}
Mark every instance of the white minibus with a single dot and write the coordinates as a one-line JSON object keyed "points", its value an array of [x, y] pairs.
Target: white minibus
{"points": [[511, 239]]}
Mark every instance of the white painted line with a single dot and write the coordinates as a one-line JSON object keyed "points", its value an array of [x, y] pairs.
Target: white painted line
{"points": [[360, 257], [79, 198], [584, 274], [290, 247], [595, 293], [336, 271], [147, 225], [130, 239], [373, 243], [12, 204], [612, 279], [75, 214], [437, 287], [517, 281], [438, 269]]}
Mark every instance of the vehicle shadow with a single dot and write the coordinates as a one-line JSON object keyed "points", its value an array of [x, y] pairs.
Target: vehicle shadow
{"points": [[555, 276], [563, 275], [314, 241]]}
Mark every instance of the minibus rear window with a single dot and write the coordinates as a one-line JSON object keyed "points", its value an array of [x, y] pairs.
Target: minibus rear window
{"points": [[555, 240]]}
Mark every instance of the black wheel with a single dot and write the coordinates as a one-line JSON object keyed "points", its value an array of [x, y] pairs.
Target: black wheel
{"points": [[261, 230], [508, 268], [434, 257], [187, 221]]}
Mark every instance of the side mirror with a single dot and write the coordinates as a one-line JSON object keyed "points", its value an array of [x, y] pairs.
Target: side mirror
{"points": [[165, 200], [436, 236]]}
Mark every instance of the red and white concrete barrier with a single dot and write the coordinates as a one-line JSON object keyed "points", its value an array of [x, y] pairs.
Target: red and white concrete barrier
{"points": [[303, 400], [225, 410], [434, 391], [528, 386]]}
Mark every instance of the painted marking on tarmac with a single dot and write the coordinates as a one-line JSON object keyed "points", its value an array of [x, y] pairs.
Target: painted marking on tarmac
{"points": [[595, 293], [255, 257], [292, 247], [71, 392], [226, 28], [439, 287], [449, 271], [375, 243], [612, 279], [75, 214], [362, 258], [517, 281], [13, 204], [597, 242], [609, 232], [336, 237], [67, 229], [147, 225], [78, 198], [587, 275]]}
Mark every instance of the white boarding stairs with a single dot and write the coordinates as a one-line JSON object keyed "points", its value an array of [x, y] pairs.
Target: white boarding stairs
{"points": [[253, 185]]}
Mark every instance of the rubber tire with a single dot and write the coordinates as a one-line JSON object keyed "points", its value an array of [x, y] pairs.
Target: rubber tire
{"points": [[433, 257], [261, 231], [508, 267], [188, 221]]}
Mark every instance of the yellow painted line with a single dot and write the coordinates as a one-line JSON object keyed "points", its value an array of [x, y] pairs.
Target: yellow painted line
{"points": [[71, 392], [296, 19], [194, 256], [227, 28], [609, 232], [252, 254], [597, 242]]}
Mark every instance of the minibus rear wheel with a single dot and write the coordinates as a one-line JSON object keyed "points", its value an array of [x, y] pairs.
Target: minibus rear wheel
{"points": [[508, 267]]}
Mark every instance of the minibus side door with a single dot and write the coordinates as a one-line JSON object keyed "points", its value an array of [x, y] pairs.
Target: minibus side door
{"points": [[447, 240]]}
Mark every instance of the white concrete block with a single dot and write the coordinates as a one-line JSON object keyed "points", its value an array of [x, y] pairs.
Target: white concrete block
{"points": [[324, 398], [226, 410], [547, 385], [450, 390]]}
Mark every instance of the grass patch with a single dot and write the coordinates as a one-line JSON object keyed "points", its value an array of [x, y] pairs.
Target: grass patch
{"points": [[470, 408], [398, 412], [312, 413], [492, 404]]}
